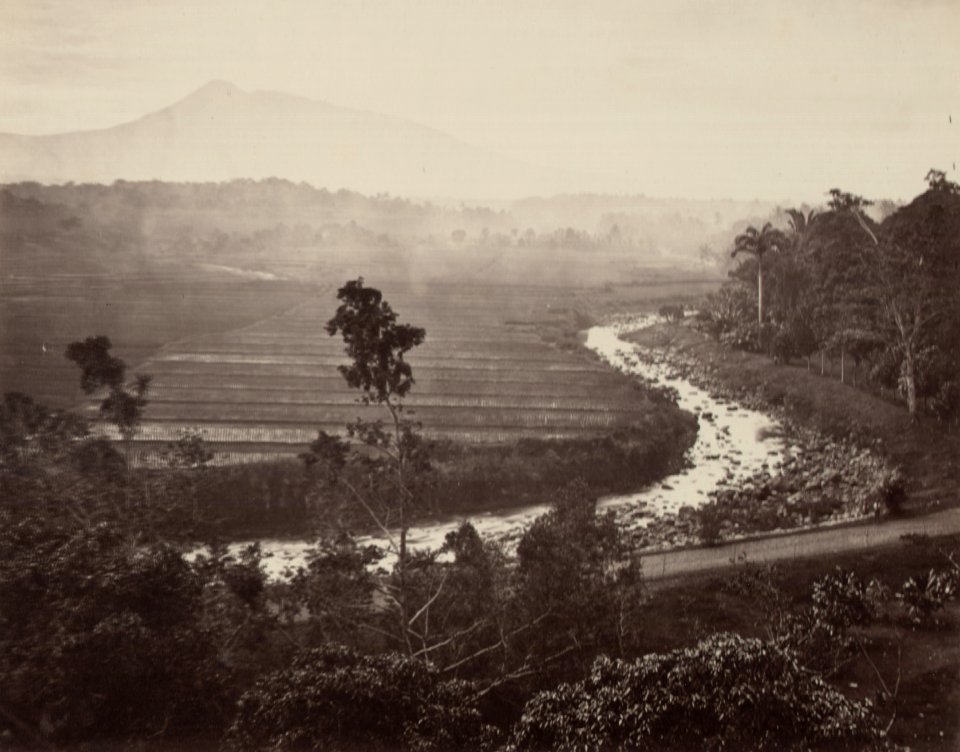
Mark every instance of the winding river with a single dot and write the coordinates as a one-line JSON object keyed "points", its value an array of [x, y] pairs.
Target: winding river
{"points": [[732, 444]]}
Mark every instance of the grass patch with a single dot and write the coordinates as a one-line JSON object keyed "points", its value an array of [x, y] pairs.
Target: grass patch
{"points": [[681, 612]]}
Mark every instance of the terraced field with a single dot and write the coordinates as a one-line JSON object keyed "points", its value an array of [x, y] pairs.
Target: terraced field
{"points": [[40, 315], [482, 375]]}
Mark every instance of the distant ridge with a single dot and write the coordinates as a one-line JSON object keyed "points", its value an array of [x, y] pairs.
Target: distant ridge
{"points": [[221, 132]]}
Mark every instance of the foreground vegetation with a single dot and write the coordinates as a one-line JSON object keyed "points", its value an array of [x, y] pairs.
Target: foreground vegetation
{"points": [[392, 648], [500, 655]]}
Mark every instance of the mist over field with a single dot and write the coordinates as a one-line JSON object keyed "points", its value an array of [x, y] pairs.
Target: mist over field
{"points": [[276, 223]]}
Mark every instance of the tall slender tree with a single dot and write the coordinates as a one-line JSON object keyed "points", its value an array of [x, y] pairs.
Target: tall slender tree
{"points": [[758, 243], [397, 460], [910, 272]]}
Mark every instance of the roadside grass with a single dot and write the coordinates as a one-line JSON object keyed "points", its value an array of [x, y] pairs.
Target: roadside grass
{"points": [[681, 611]]}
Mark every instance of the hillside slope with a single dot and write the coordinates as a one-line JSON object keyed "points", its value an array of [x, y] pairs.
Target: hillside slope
{"points": [[221, 132]]}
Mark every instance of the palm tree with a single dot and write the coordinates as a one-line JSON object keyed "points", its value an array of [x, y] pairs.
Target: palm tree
{"points": [[758, 243], [800, 225]]}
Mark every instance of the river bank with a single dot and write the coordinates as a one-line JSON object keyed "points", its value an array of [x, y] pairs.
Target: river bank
{"points": [[927, 452], [856, 446], [812, 479]]}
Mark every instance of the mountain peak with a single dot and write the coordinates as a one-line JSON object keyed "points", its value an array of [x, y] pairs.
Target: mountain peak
{"points": [[221, 132], [215, 90]]}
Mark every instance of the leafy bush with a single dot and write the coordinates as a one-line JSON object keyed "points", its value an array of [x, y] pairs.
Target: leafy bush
{"points": [[945, 404], [781, 345], [727, 310], [577, 576], [672, 312], [923, 596], [335, 698], [889, 489], [99, 637], [742, 335], [708, 519], [728, 692], [844, 600]]}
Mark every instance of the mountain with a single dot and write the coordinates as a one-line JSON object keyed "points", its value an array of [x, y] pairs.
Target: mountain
{"points": [[221, 132]]}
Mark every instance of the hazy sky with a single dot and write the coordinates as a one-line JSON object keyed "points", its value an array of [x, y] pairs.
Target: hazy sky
{"points": [[771, 99]]}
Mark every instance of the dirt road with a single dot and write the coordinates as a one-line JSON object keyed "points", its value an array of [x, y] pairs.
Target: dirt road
{"points": [[657, 566]]}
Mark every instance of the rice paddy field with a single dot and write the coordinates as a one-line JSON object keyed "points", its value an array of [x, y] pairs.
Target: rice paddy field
{"points": [[248, 365], [41, 315]]}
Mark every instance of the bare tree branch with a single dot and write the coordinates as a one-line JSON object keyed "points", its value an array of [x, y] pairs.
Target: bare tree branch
{"points": [[425, 607]]}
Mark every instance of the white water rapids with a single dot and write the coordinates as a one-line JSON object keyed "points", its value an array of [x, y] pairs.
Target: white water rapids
{"points": [[732, 444]]}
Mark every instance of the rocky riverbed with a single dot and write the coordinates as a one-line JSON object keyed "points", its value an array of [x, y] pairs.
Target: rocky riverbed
{"points": [[817, 480]]}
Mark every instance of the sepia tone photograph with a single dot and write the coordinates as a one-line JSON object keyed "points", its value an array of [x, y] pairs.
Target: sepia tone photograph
{"points": [[447, 376]]}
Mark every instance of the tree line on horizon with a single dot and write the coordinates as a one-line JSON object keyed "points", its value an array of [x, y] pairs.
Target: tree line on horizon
{"points": [[252, 215]]}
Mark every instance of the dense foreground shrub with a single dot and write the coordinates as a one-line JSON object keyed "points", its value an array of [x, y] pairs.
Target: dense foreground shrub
{"points": [[335, 698], [728, 692], [100, 637]]}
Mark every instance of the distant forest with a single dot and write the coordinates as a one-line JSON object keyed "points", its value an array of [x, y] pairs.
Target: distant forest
{"points": [[243, 217]]}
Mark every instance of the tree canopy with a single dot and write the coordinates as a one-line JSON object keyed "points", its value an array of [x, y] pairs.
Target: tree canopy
{"points": [[122, 405], [727, 692], [883, 293], [375, 343]]}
